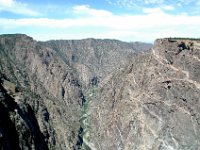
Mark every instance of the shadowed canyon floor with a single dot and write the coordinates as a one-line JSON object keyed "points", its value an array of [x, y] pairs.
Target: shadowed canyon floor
{"points": [[99, 94]]}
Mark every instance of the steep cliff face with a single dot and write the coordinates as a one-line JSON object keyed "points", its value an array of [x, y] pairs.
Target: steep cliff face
{"points": [[47, 85], [93, 58], [19, 128], [153, 104], [45, 88]]}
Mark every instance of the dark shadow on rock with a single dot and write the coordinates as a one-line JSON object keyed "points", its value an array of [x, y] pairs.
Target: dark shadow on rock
{"points": [[7, 127], [8, 135]]}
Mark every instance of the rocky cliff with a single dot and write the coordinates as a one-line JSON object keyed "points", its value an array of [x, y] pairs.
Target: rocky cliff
{"points": [[99, 94], [153, 104], [43, 87]]}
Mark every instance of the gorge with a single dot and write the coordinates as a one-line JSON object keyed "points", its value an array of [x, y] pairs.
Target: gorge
{"points": [[99, 94]]}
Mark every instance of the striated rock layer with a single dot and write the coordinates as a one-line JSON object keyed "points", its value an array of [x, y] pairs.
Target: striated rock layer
{"points": [[99, 94]]}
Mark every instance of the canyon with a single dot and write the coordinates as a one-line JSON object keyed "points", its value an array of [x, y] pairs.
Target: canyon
{"points": [[99, 94]]}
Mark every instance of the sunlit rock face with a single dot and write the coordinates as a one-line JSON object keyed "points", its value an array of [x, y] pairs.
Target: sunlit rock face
{"points": [[99, 94], [153, 104]]}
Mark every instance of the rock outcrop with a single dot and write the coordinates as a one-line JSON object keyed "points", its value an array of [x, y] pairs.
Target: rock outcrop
{"points": [[46, 86]]}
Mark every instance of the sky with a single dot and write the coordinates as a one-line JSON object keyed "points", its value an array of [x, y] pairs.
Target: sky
{"points": [[126, 20]]}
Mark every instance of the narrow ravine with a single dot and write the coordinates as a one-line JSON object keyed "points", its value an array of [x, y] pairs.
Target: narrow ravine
{"points": [[90, 95]]}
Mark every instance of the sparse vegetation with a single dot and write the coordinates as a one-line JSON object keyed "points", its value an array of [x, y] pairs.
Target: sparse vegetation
{"points": [[182, 38]]}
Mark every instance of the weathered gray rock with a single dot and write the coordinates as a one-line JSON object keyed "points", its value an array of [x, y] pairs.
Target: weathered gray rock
{"points": [[154, 104], [47, 87], [96, 58]]}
